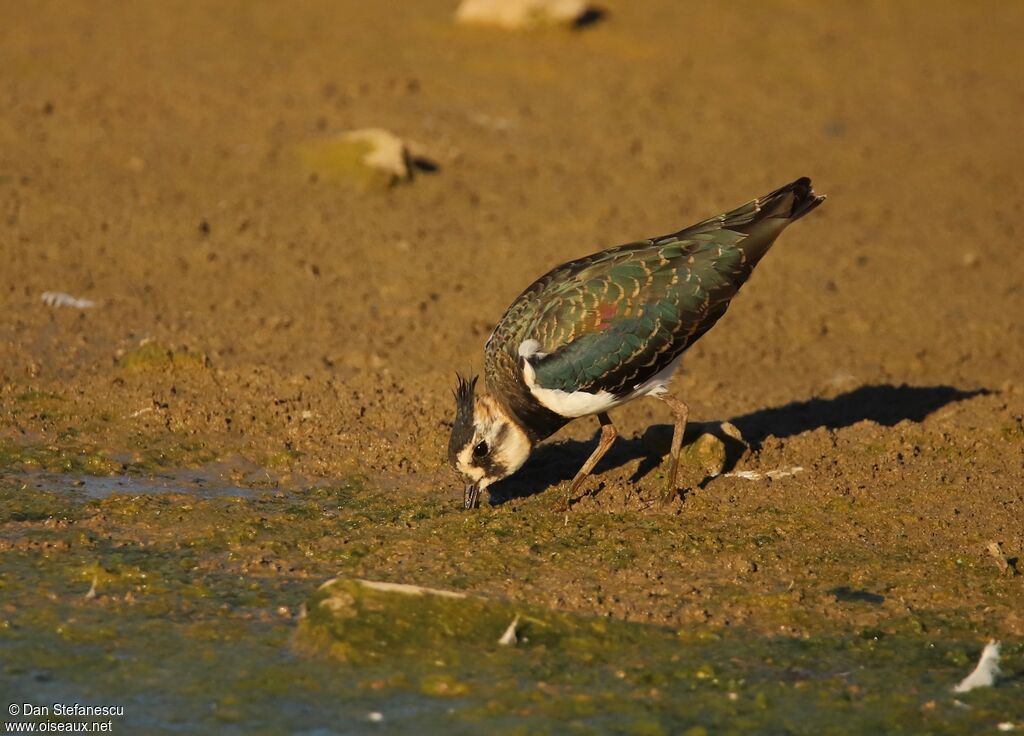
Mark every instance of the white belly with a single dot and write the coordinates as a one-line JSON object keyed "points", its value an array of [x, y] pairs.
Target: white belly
{"points": [[582, 403]]}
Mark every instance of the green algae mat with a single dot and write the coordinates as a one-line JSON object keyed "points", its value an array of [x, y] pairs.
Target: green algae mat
{"points": [[190, 610]]}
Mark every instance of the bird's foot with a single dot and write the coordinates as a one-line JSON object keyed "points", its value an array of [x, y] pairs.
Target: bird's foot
{"points": [[670, 491], [564, 501]]}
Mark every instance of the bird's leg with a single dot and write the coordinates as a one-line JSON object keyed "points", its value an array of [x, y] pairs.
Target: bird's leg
{"points": [[608, 435], [682, 412]]}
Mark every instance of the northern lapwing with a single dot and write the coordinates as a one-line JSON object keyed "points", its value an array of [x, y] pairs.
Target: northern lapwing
{"points": [[597, 332]]}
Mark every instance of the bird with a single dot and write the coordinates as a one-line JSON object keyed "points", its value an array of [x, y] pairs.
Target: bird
{"points": [[600, 331]]}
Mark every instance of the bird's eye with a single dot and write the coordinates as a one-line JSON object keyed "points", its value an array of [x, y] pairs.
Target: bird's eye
{"points": [[480, 450]]}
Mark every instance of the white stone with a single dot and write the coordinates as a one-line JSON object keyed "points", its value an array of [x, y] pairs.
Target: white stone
{"points": [[60, 299], [388, 153], [369, 157], [517, 14]]}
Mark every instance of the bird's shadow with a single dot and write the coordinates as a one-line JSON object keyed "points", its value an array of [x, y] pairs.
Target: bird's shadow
{"points": [[886, 404]]}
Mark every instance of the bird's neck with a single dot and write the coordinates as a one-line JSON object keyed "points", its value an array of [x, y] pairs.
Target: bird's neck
{"points": [[523, 409]]}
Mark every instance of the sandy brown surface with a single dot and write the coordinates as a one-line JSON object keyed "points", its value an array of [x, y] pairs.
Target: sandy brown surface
{"points": [[147, 163]]}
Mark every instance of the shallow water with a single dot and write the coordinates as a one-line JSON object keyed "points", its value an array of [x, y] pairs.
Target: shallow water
{"points": [[195, 483], [199, 589]]}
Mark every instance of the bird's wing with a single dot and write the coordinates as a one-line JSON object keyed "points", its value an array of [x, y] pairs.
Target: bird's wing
{"points": [[612, 320], [612, 323]]}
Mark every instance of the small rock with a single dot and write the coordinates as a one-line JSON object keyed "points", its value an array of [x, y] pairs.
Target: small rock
{"points": [[1007, 565], [61, 299], [519, 14], [971, 259], [370, 158], [708, 447], [731, 430], [707, 453]]}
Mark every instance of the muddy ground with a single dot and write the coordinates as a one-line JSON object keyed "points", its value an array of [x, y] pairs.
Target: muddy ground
{"points": [[284, 334]]}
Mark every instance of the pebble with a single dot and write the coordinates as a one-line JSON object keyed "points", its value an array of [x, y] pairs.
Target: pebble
{"points": [[61, 299], [371, 158], [707, 446], [519, 14]]}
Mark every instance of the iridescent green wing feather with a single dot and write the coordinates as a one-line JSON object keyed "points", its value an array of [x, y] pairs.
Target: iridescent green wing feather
{"points": [[623, 318], [612, 320]]}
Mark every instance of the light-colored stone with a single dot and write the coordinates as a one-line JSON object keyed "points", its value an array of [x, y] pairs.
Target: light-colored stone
{"points": [[370, 158], [708, 447], [731, 430], [518, 14], [706, 454]]}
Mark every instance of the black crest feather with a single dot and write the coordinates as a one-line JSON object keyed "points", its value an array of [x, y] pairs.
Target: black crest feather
{"points": [[462, 429]]}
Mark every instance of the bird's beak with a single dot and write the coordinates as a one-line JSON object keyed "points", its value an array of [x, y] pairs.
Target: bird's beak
{"points": [[471, 496]]}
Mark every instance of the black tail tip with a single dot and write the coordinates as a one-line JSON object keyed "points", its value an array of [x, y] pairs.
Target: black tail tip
{"points": [[804, 199]]}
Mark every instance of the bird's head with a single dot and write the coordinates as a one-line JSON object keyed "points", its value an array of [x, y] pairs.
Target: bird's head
{"points": [[486, 444]]}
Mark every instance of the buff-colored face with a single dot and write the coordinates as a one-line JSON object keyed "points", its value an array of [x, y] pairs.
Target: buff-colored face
{"points": [[485, 444]]}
